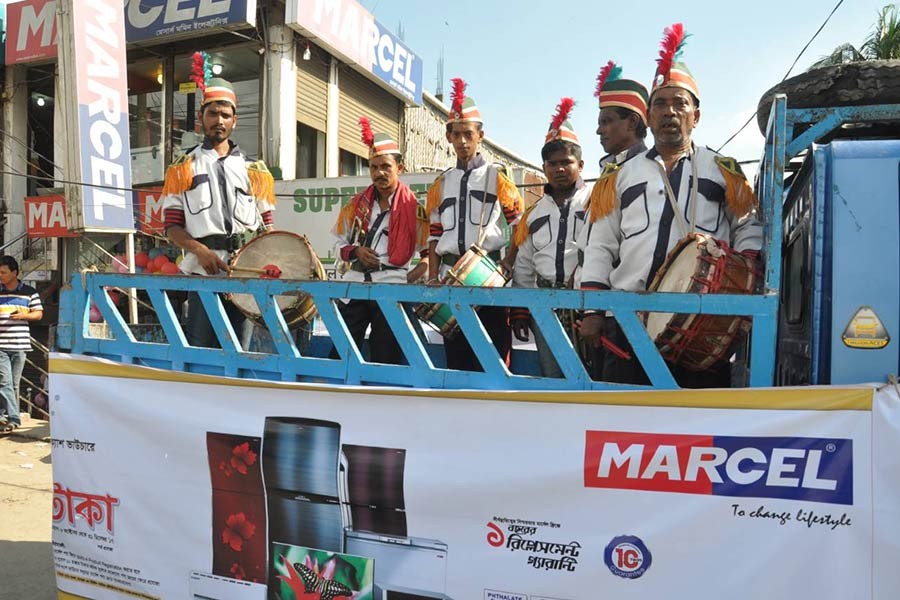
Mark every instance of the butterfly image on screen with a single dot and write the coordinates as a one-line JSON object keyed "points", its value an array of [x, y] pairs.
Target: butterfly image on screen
{"points": [[309, 585]]}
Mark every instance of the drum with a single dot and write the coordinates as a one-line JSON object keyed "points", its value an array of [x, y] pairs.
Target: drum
{"points": [[473, 269], [700, 264], [294, 258]]}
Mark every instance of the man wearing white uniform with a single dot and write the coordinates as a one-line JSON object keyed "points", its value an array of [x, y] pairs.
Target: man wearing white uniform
{"points": [[546, 234], [465, 205], [622, 127], [213, 195], [377, 233], [641, 209]]}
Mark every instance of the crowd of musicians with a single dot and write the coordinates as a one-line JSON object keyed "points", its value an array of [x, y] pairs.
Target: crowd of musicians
{"points": [[613, 235]]}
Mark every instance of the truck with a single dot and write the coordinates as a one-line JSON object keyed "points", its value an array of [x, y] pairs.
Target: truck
{"points": [[279, 473]]}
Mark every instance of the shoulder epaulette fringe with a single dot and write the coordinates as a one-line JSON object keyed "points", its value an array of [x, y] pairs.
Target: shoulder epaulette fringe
{"points": [[520, 234], [262, 184], [422, 224], [603, 196], [347, 214], [179, 176], [738, 193], [508, 193], [433, 200]]}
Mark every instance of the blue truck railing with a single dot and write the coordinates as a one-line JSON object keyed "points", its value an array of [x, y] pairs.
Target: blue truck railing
{"points": [[287, 362]]}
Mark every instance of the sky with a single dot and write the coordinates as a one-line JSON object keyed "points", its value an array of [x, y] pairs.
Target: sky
{"points": [[521, 58]]}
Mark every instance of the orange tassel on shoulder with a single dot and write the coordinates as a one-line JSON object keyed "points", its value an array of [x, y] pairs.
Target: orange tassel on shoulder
{"points": [[433, 200], [738, 193], [422, 226], [603, 196], [262, 184], [508, 194], [179, 176], [520, 234], [347, 214]]}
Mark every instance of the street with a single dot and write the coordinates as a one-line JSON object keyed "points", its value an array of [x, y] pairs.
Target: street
{"points": [[26, 484]]}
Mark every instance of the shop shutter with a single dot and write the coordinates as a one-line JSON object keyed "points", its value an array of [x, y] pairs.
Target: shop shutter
{"points": [[360, 97], [312, 92]]}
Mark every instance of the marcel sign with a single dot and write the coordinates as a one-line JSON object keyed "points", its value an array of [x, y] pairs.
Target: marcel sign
{"points": [[45, 217], [93, 65], [30, 31], [149, 19], [32, 28], [348, 30]]}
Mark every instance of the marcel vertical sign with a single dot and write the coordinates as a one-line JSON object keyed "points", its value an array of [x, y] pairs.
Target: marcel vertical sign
{"points": [[92, 67]]}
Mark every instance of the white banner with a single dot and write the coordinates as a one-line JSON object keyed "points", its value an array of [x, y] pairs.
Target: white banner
{"points": [[169, 485]]}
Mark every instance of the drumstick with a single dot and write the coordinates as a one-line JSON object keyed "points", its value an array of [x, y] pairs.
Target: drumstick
{"points": [[608, 343], [268, 271]]}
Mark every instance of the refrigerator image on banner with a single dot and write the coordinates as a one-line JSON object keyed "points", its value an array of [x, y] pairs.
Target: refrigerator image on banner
{"points": [[301, 464], [406, 568]]}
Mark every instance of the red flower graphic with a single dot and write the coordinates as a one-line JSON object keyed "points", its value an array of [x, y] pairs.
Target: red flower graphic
{"points": [[237, 571], [237, 530], [225, 469], [242, 457]]}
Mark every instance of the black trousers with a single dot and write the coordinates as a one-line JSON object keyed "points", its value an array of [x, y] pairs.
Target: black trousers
{"points": [[618, 370], [383, 346], [199, 331], [496, 322]]}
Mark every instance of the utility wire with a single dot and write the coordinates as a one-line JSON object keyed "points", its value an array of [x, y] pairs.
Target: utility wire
{"points": [[793, 64]]}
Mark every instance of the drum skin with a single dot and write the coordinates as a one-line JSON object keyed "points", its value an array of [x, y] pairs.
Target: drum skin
{"points": [[473, 269], [700, 264], [294, 255]]}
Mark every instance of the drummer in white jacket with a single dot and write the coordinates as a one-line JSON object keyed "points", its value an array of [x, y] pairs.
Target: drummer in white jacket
{"points": [[641, 209], [212, 196], [546, 235]]}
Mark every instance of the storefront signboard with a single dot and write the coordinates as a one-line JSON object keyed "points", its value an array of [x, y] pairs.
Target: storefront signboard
{"points": [[148, 20], [45, 217], [33, 36], [95, 106], [349, 31]]}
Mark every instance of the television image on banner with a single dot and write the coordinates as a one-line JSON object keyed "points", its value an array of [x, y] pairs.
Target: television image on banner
{"points": [[307, 574]]}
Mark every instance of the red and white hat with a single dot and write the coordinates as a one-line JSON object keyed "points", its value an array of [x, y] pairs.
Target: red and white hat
{"points": [[560, 128], [462, 109], [615, 91], [670, 70], [378, 143]]}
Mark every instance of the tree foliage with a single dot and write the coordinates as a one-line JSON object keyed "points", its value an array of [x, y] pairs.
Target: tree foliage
{"points": [[883, 42]]}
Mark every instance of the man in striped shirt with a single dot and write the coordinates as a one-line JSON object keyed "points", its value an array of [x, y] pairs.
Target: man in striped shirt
{"points": [[19, 304]]}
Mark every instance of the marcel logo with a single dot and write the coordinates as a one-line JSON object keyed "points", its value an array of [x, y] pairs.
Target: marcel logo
{"points": [[792, 468]]}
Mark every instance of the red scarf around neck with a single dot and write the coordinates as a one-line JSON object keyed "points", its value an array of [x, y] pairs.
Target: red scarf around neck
{"points": [[403, 230]]}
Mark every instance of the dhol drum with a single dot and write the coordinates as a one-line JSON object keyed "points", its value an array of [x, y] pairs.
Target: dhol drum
{"points": [[290, 256], [474, 269], [700, 264]]}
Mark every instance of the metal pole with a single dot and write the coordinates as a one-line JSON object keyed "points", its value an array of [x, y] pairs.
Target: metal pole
{"points": [[132, 293]]}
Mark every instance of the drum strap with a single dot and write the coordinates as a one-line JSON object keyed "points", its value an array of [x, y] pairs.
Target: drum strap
{"points": [[692, 197]]}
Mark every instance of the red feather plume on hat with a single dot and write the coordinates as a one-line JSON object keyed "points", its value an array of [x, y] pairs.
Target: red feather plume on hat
{"points": [[457, 94], [368, 138], [562, 113], [670, 48], [601, 78], [197, 71]]}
